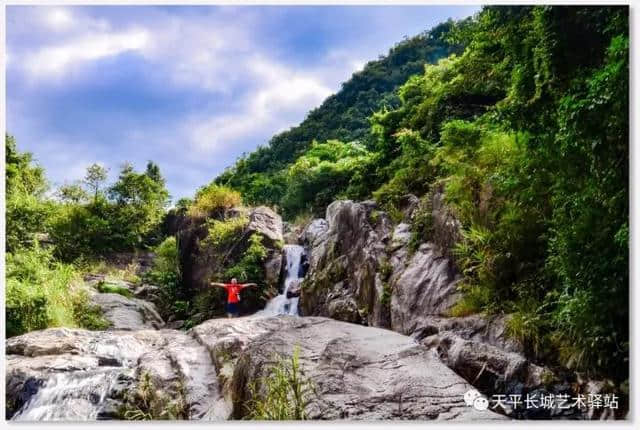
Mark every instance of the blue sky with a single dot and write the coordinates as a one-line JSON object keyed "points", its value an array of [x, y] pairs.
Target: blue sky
{"points": [[191, 88]]}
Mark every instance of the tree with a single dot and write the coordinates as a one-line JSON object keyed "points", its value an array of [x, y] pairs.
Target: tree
{"points": [[26, 210], [153, 171], [96, 175], [140, 200], [72, 193]]}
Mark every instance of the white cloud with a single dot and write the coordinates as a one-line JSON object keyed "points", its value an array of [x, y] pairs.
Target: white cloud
{"points": [[59, 19], [282, 97], [54, 60]]}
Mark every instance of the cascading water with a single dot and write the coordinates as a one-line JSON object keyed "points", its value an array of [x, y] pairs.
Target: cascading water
{"points": [[73, 396], [280, 304]]}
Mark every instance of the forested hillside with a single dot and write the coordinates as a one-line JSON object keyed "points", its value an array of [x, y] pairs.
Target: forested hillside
{"points": [[262, 175], [526, 131]]}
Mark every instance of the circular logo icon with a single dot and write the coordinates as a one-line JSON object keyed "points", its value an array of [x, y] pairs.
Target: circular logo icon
{"points": [[481, 404], [470, 396]]}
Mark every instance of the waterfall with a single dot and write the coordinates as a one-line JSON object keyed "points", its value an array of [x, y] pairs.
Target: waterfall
{"points": [[70, 396], [280, 304]]}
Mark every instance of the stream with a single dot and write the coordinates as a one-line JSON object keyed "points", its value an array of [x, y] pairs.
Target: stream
{"points": [[294, 273]]}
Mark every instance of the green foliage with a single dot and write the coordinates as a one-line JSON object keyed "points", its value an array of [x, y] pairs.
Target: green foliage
{"points": [[165, 273], [72, 193], [129, 218], [146, 402], [40, 292], [250, 266], [26, 212], [261, 176], [213, 199], [220, 233], [22, 176], [283, 394], [106, 287], [88, 315], [95, 177], [326, 171]]}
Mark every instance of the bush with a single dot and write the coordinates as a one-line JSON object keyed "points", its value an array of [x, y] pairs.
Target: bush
{"points": [[220, 233], [40, 292], [146, 402], [283, 394], [165, 273], [106, 287], [213, 199]]}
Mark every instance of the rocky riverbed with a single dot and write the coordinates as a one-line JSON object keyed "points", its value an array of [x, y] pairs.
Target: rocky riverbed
{"points": [[375, 337]]}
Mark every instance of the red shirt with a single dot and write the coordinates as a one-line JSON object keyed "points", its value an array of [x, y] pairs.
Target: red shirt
{"points": [[232, 292]]}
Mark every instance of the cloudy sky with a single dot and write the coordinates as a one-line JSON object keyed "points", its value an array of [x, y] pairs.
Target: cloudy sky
{"points": [[191, 88]]}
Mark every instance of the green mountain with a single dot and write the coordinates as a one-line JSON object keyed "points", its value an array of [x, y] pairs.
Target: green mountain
{"points": [[344, 116]]}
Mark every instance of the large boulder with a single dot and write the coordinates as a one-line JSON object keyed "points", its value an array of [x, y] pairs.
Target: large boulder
{"points": [[423, 284], [346, 251], [267, 223], [363, 269], [358, 372], [74, 374], [125, 313]]}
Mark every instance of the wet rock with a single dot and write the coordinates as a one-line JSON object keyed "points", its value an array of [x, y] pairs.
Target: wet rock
{"points": [[73, 374], [273, 268]]}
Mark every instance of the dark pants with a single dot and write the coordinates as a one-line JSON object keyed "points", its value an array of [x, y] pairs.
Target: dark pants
{"points": [[233, 309]]}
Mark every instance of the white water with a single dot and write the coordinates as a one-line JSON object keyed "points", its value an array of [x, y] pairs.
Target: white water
{"points": [[69, 396], [280, 305]]}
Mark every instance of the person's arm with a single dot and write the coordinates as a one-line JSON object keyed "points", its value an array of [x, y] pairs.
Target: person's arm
{"points": [[217, 284], [249, 285]]}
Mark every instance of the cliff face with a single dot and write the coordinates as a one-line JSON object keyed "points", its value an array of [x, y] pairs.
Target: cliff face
{"points": [[365, 270]]}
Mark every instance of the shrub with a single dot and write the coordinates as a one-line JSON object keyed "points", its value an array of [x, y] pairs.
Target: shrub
{"points": [[106, 287], [165, 273], [40, 292], [283, 394], [220, 233], [146, 402], [212, 199], [249, 267]]}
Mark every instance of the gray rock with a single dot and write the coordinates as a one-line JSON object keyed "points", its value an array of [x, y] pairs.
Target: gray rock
{"points": [[314, 233], [127, 314], [273, 267], [358, 372], [426, 286], [146, 291], [266, 222], [407, 205], [73, 374], [345, 253]]}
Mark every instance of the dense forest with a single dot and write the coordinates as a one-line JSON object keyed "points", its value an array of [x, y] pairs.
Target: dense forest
{"points": [[527, 132], [518, 114]]}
